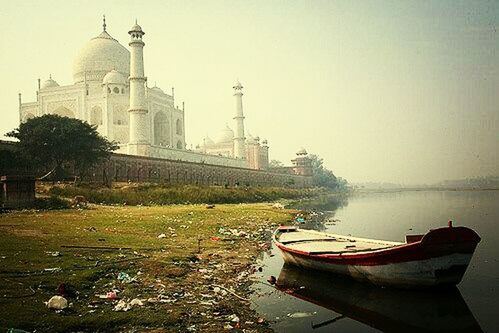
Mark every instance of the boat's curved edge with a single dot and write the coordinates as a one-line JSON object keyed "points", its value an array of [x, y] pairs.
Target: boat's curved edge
{"points": [[441, 257]]}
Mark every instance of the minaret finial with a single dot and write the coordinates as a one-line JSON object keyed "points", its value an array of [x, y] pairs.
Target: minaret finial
{"points": [[104, 22]]}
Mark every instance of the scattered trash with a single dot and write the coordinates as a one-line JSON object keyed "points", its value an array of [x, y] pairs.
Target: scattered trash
{"points": [[57, 303], [300, 220], [162, 236], [125, 278], [260, 321], [136, 302], [210, 206], [228, 327], [53, 270], [53, 253], [215, 239], [272, 280], [122, 306], [234, 318], [112, 295], [278, 205], [301, 314]]}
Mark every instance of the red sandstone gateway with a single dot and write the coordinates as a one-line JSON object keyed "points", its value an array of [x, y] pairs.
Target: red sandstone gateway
{"points": [[440, 257]]}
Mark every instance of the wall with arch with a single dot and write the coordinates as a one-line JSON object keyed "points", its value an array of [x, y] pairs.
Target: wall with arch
{"points": [[123, 168]]}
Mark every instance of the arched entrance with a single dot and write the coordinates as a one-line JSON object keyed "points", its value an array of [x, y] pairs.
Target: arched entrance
{"points": [[64, 112], [161, 130]]}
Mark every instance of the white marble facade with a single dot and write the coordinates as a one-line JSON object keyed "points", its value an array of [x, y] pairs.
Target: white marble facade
{"points": [[100, 94]]}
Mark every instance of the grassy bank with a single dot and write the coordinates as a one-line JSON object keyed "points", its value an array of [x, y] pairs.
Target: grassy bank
{"points": [[180, 277], [145, 194]]}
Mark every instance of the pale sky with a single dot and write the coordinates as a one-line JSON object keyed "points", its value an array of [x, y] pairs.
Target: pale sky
{"points": [[396, 91]]}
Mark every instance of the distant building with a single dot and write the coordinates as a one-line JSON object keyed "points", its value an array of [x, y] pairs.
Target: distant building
{"points": [[110, 91]]}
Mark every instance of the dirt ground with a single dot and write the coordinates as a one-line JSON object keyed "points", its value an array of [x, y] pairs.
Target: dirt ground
{"points": [[182, 268]]}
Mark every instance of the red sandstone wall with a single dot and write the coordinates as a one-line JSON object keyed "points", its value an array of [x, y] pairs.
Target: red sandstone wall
{"points": [[122, 168]]}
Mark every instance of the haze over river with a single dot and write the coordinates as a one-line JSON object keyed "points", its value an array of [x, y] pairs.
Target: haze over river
{"points": [[322, 303]]}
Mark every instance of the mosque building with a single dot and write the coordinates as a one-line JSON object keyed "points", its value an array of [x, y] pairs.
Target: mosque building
{"points": [[110, 91]]}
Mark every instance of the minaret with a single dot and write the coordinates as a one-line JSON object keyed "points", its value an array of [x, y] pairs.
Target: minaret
{"points": [[239, 151], [139, 128]]}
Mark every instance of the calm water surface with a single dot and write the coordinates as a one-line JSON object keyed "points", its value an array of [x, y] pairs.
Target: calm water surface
{"points": [[322, 303]]}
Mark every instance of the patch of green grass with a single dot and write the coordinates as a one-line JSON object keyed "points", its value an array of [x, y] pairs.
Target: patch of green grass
{"points": [[29, 238], [148, 194]]}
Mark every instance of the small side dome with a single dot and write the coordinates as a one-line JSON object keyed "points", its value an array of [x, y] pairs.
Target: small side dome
{"points": [[302, 152], [49, 84], [225, 135], [114, 77], [136, 28], [157, 89], [207, 141]]}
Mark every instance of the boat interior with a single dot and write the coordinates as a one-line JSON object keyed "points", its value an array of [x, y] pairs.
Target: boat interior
{"points": [[315, 242]]}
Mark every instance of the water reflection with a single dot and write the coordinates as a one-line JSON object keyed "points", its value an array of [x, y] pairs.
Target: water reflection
{"points": [[322, 210], [326, 203], [388, 310]]}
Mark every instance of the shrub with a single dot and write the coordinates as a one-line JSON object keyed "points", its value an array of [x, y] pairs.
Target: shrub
{"points": [[49, 203], [148, 194]]}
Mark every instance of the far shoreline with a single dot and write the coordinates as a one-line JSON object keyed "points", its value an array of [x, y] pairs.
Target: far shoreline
{"points": [[429, 189]]}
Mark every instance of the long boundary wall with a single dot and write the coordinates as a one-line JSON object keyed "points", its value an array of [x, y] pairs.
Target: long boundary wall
{"points": [[124, 168]]}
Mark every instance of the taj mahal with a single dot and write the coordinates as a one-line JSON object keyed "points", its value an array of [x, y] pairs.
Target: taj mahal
{"points": [[110, 91]]}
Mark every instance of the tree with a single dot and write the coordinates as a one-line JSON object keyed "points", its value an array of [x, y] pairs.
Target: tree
{"points": [[325, 177], [275, 164], [51, 141]]}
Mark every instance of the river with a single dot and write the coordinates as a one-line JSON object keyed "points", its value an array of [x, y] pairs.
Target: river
{"points": [[323, 303]]}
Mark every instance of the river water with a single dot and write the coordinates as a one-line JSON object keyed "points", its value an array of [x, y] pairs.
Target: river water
{"points": [[324, 303]]}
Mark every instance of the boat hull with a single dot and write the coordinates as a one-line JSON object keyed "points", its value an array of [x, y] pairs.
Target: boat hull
{"points": [[440, 258], [445, 270]]}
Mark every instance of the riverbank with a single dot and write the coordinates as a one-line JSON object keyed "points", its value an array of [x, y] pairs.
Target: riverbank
{"points": [[187, 265], [156, 194]]}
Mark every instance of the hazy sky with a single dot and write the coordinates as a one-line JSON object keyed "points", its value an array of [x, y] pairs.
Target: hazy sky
{"points": [[398, 91]]}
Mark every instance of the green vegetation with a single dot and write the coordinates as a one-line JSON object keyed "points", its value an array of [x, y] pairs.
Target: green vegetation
{"points": [[148, 194], [324, 177], [174, 275], [50, 141]]}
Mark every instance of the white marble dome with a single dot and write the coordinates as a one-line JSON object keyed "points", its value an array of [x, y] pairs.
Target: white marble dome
{"points": [[225, 135], [302, 151], [49, 84], [98, 57], [114, 77], [158, 90]]}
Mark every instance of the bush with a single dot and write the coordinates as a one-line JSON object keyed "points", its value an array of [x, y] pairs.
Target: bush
{"points": [[147, 194], [49, 203]]}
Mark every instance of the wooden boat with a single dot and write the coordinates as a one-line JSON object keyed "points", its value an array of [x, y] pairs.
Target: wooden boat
{"points": [[385, 309], [440, 257]]}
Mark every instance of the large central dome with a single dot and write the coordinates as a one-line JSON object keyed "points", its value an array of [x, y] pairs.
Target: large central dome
{"points": [[99, 56]]}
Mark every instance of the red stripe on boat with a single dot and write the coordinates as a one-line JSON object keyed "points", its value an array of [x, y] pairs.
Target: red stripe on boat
{"points": [[436, 243]]}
